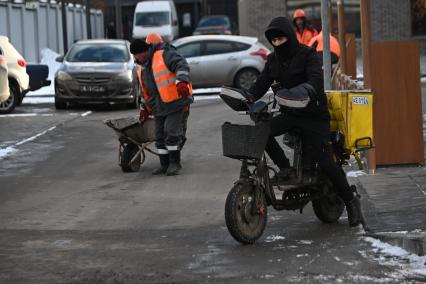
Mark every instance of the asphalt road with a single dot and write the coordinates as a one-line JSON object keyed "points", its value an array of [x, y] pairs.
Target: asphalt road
{"points": [[69, 215]]}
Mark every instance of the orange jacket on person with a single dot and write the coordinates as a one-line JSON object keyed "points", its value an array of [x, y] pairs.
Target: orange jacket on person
{"points": [[308, 32], [164, 79], [306, 36], [317, 43], [167, 91]]}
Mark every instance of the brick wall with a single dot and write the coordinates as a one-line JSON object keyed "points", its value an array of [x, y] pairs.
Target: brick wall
{"points": [[255, 15], [390, 20]]}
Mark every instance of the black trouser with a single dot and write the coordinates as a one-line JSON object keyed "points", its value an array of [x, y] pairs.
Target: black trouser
{"points": [[316, 139], [168, 132]]}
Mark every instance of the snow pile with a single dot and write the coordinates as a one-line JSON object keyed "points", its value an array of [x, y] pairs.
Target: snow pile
{"points": [[48, 57], [408, 263], [356, 173], [274, 238], [6, 152]]}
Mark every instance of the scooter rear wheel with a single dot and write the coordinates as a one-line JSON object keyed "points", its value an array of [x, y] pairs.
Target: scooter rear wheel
{"points": [[328, 208], [245, 220]]}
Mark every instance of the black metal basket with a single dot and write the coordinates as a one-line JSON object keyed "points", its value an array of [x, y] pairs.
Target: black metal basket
{"points": [[244, 141]]}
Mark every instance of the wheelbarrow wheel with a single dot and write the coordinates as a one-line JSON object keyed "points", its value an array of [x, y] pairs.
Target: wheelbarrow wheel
{"points": [[127, 155]]}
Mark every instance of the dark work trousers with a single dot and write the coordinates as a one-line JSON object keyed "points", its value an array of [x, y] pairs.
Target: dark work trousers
{"points": [[168, 132], [316, 138]]}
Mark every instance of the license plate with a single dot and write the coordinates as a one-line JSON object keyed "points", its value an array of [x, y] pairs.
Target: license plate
{"points": [[92, 89]]}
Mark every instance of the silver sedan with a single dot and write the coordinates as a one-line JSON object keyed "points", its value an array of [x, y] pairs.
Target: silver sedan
{"points": [[97, 71], [217, 60]]}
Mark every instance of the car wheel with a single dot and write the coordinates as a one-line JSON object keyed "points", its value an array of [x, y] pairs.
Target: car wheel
{"points": [[59, 104], [9, 105], [246, 78]]}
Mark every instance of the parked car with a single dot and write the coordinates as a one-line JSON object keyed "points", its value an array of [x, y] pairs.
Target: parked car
{"points": [[17, 75], [217, 60], [156, 16], [4, 85], [97, 71], [38, 74], [214, 25]]}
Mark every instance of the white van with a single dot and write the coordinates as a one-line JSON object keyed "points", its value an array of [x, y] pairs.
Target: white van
{"points": [[156, 16]]}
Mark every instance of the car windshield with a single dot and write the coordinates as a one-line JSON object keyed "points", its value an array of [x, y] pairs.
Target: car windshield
{"points": [[216, 21], [152, 19], [98, 53]]}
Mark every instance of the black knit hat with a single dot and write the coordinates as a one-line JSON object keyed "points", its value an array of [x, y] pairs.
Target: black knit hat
{"points": [[138, 46], [272, 33]]}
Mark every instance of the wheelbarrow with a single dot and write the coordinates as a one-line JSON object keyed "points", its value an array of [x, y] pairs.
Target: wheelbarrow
{"points": [[134, 137]]}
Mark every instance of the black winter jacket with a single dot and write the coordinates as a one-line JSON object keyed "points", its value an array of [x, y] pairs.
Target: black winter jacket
{"points": [[299, 67], [304, 67], [175, 63]]}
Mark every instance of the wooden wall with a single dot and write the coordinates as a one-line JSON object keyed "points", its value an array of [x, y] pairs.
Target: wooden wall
{"points": [[398, 119]]}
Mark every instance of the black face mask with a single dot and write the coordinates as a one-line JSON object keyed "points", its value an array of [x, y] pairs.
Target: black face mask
{"points": [[281, 26], [284, 50]]}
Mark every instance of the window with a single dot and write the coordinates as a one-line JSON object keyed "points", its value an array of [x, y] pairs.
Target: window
{"points": [[190, 49], [238, 46], [214, 21], [152, 19], [98, 53], [418, 17], [218, 47]]}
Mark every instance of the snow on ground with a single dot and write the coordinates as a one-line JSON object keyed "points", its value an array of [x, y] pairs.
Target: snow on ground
{"points": [[274, 238], [356, 173], [407, 264], [7, 151]]}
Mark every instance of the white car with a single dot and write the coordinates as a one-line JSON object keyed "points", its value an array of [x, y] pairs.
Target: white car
{"points": [[217, 60], [4, 81], [17, 74]]}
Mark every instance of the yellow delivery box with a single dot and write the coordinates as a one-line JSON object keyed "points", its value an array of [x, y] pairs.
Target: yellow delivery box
{"points": [[351, 113]]}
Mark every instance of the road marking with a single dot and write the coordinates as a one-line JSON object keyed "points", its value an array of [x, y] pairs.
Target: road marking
{"points": [[35, 136], [25, 115], [206, 98], [86, 113], [11, 149]]}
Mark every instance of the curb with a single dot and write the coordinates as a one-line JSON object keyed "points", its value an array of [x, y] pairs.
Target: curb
{"points": [[414, 242]]}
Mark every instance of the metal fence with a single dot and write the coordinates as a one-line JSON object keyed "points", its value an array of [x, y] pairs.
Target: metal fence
{"points": [[32, 28]]}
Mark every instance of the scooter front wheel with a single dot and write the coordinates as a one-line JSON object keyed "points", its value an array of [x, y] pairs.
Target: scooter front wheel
{"points": [[245, 216]]}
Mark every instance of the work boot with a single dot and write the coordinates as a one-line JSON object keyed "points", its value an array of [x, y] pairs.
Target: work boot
{"points": [[175, 166], [355, 216], [164, 164], [284, 174]]}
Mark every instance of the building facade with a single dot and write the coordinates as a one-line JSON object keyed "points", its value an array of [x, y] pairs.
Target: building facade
{"points": [[390, 19]]}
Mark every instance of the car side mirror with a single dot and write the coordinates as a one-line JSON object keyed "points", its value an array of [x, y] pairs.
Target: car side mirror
{"points": [[175, 23], [59, 58]]}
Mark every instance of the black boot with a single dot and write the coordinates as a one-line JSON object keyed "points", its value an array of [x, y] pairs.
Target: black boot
{"points": [[355, 216], [174, 167], [164, 164]]}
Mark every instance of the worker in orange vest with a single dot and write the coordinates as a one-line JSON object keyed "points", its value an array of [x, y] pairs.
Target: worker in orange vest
{"points": [[304, 31], [167, 93], [317, 43], [155, 38]]}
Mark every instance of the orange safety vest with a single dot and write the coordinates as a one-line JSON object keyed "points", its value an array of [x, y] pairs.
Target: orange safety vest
{"points": [[334, 44], [165, 79], [306, 36]]}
